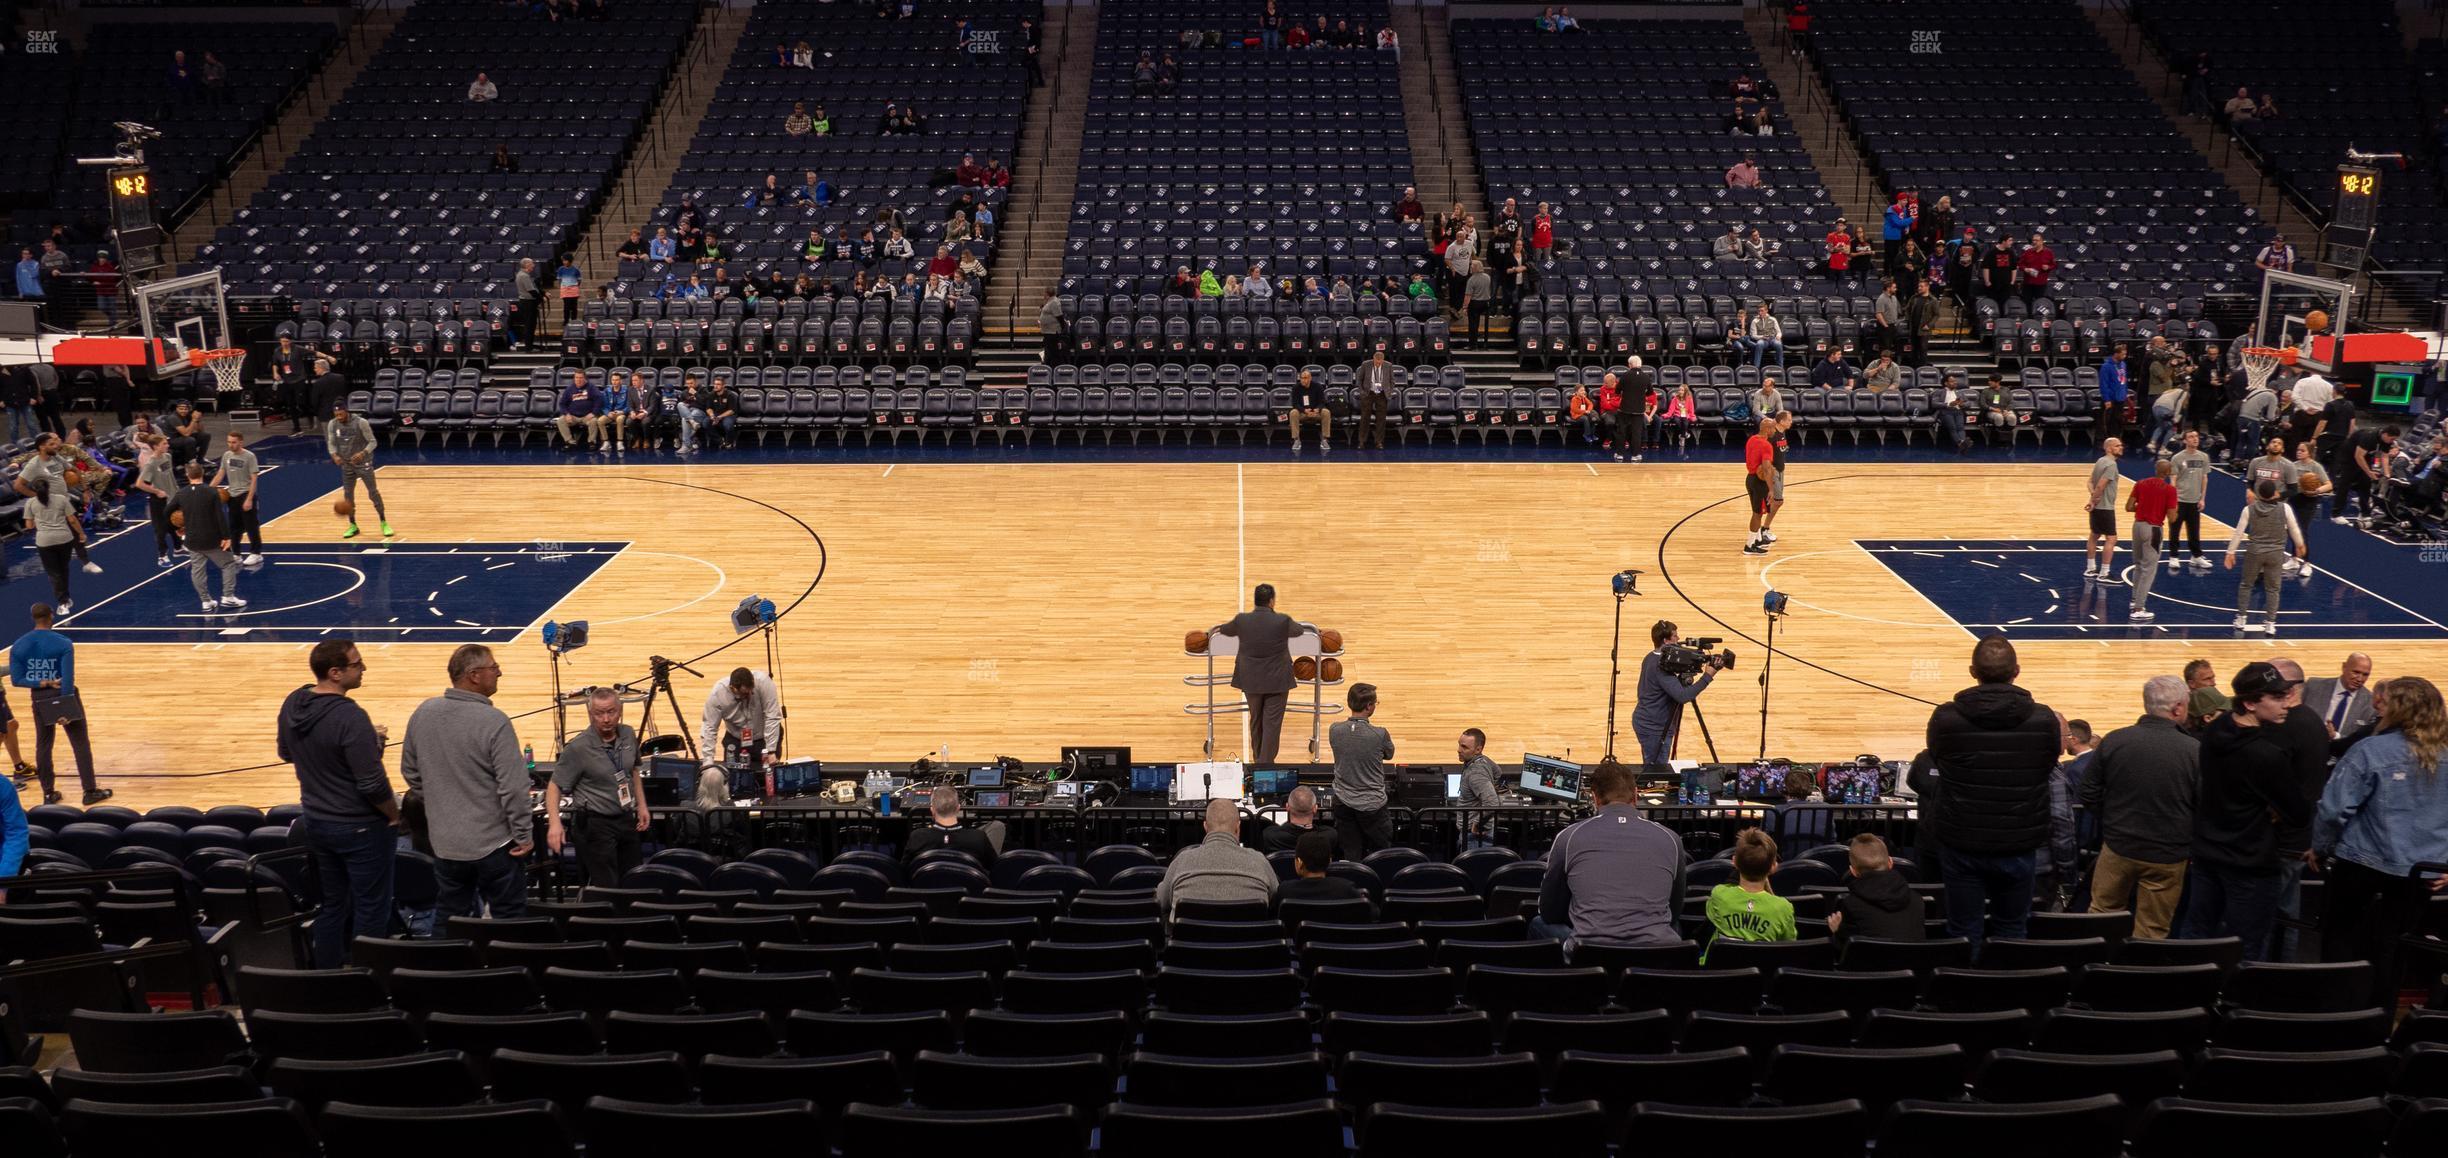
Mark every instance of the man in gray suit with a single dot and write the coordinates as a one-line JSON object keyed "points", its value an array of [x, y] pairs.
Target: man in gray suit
{"points": [[1659, 714], [1263, 670], [2344, 703], [1375, 393]]}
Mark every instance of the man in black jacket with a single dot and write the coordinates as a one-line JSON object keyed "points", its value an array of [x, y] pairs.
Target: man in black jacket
{"points": [[1992, 749], [205, 520], [2249, 791], [1262, 668], [944, 807], [351, 816], [2305, 736], [1880, 903]]}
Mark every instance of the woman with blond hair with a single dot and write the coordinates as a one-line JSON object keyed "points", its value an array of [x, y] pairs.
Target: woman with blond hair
{"points": [[2385, 811]]}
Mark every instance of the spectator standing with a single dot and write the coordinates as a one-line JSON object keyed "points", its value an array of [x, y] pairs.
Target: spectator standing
{"points": [[2034, 268], [44, 662], [350, 826], [1878, 902], [1361, 749], [1376, 389], [566, 279], [1613, 879], [1219, 868], [1050, 325], [2384, 811], [2248, 791], [1992, 748], [29, 276], [1476, 302], [1478, 787], [461, 756], [2307, 743], [212, 78], [2142, 786], [15, 836], [523, 309], [1894, 226]]}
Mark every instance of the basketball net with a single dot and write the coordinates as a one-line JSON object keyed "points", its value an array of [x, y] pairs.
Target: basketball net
{"points": [[2261, 363], [228, 368]]}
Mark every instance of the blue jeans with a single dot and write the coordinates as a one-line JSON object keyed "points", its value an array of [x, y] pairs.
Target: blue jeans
{"points": [[2290, 905], [691, 419], [353, 862], [1762, 347], [499, 880], [22, 423], [2221, 902], [1270, 38], [2247, 440], [1997, 884], [1540, 930], [2163, 426]]}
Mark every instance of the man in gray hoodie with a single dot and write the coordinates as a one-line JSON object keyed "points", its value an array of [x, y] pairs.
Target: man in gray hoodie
{"points": [[350, 442], [1219, 867], [461, 756]]}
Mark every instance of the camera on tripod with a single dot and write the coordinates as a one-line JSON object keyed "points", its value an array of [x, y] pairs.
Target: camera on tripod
{"points": [[1685, 658]]}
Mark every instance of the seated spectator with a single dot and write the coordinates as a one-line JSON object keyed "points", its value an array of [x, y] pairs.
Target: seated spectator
{"points": [[1183, 283], [1143, 75], [482, 89], [956, 229], [633, 249], [182, 75], [897, 247], [1878, 901], [969, 172], [1565, 21], [1232, 285], [866, 251], [710, 248], [1168, 75], [997, 177], [943, 264], [1743, 174], [1615, 878], [1745, 910], [890, 122], [503, 161], [2240, 107], [1546, 21], [1310, 856], [1883, 374], [814, 249], [971, 269], [661, 248], [1208, 286], [1409, 208], [2277, 255], [811, 190], [944, 830], [1745, 89], [1420, 289], [911, 121], [768, 194], [781, 55], [2266, 110], [820, 124], [1997, 408], [1797, 821], [983, 230], [798, 123], [1255, 285], [213, 78], [1762, 336], [1728, 245], [1579, 409], [1300, 819], [1757, 247], [1831, 373], [1218, 868], [1387, 41], [1681, 418]]}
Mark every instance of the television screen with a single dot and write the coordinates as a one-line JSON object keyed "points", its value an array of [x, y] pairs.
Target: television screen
{"points": [[1151, 778], [797, 778], [994, 799], [1551, 779], [1272, 783], [986, 778], [1697, 788]]}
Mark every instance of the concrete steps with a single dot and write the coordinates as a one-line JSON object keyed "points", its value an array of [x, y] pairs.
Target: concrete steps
{"points": [[1812, 109], [639, 188], [280, 140], [1037, 218]]}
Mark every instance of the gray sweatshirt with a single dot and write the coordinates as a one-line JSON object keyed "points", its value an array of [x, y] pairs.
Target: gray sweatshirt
{"points": [[461, 756], [1216, 869], [2192, 474], [1361, 749], [2269, 527], [346, 440]]}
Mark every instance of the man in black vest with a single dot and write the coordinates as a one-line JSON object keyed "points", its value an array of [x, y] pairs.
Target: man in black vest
{"points": [[1992, 748], [1263, 670]]}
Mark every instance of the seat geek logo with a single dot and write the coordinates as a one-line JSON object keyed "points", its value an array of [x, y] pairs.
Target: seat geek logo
{"points": [[42, 42], [1925, 43]]}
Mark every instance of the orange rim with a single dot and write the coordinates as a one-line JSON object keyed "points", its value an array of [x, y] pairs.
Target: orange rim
{"points": [[2284, 355], [213, 355]]}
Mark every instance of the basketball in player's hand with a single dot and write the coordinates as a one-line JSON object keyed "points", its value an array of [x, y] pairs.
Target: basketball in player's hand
{"points": [[178, 520], [1195, 643], [1330, 669], [1330, 640], [343, 508], [2316, 321], [1304, 667]]}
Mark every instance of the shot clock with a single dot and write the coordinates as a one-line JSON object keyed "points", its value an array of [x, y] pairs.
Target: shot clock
{"points": [[131, 201]]}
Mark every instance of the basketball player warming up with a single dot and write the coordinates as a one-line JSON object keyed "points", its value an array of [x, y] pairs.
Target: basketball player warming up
{"points": [[350, 441]]}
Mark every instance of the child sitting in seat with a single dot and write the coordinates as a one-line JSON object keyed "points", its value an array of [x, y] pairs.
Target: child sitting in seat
{"points": [[1746, 910]]}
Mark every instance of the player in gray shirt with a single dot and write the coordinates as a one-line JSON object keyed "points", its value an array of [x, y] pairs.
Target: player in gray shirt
{"points": [[2099, 546], [236, 479], [350, 441], [1361, 750], [2311, 485], [2192, 478]]}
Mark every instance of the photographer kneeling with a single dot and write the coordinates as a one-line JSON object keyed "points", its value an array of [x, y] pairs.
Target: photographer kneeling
{"points": [[1673, 674]]}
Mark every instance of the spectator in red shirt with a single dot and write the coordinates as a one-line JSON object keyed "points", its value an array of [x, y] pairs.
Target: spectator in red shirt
{"points": [[943, 264], [969, 172], [1542, 234], [1759, 471], [1610, 405], [997, 177], [2151, 501], [2034, 268], [105, 277], [1840, 249]]}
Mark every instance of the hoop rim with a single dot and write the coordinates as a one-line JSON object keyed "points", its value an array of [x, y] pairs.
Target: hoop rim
{"points": [[216, 354], [2284, 355]]}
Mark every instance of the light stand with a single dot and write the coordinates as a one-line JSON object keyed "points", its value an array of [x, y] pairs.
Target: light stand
{"points": [[1626, 584], [560, 639], [660, 681], [1773, 604]]}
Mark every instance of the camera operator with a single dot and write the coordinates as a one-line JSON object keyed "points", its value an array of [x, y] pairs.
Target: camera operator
{"points": [[1658, 718]]}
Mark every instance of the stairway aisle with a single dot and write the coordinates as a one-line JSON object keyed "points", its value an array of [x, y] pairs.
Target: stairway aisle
{"points": [[1037, 219]]}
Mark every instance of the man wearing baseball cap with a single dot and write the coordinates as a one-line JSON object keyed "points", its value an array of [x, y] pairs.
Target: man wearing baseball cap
{"points": [[2249, 790]]}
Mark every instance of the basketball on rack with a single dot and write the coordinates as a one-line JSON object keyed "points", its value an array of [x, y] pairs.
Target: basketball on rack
{"points": [[2316, 321], [1330, 669], [1195, 643], [1304, 667], [1330, 640], [343, 508]]}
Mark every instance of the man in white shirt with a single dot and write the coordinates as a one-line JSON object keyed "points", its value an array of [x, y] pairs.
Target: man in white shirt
{"points": [[748, 706], [481, 89]]}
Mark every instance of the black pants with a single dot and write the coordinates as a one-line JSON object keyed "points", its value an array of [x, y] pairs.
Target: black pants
{"points": [[499, 881], [2188, 526], [1266, 711], [1631, 429], [163, 539], [245, 523], [1478, 323], [1362, 833], [608, 846], [77, 743], [55, 559], [2364, 911]]}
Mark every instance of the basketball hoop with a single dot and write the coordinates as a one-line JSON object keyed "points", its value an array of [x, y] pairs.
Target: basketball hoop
{"points": [[228, 367], [2262, 362]]}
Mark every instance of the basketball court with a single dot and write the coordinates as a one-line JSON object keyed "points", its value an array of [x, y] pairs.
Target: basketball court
{"points": [[977, 609]]}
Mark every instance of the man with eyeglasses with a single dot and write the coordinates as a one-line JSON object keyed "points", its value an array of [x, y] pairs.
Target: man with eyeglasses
{"points": [[462, 757], [351, 815]]}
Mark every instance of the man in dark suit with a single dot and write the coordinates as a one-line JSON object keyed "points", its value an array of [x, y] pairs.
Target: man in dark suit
{"points": [[1375, 394], [2344, 703], [1263, 670]]}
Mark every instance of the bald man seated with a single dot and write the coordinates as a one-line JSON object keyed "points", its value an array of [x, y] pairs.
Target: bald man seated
{"points": [[1219, 867]]}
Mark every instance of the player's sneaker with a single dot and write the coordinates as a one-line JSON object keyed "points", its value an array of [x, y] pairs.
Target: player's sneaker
{"points": [[233, 603], [2270, 628], [65, 606], [387, 531], [2201, 562], [2289, 567], [351, 533], [2243, 624], [1325, 444], [211, 605], [1767, 536], [2090, 571], [2305, 572], [2174, 563], [2138, 615], [92, 568], [1755, 547], [250, 560], [2108, 578], [1296, 446], [161, 560]]}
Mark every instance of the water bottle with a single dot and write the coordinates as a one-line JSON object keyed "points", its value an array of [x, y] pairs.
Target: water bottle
{"points": [[943, 753], [531, 758]]}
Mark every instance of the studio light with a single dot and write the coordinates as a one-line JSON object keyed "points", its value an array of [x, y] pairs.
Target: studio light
{"points": [[563, 638], [752, 613]]}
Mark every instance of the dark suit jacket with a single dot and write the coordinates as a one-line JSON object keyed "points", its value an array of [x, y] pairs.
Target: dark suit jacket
{"points": [[1265, 663]]}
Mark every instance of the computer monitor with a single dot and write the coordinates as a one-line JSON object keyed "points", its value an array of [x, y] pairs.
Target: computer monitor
{"points": [[1764, 780], [746, 783], [670, 781], [1085, 763], [1272, 784], [1151, 778], [917, 801], [1551, 779], [1698, 787], [797, 777], [994, 800], [986, 777], [1453, 786]]}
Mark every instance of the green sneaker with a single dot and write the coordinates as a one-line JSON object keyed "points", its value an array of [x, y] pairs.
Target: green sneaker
{"points": [[351, 533], [387, 531]]}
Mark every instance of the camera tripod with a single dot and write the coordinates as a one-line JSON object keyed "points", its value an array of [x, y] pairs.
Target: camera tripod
{"points": [[659, 681], [1705, 738]]}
